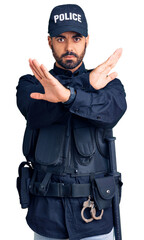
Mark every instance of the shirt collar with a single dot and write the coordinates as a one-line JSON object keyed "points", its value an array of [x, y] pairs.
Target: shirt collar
{"points": [[60, 71]]}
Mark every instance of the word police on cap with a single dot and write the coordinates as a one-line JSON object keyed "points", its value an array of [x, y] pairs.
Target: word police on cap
{"points": [[67, 16]]}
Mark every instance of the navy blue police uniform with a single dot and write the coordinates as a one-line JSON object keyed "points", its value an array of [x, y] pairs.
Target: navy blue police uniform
{"points": [[67, 154]]}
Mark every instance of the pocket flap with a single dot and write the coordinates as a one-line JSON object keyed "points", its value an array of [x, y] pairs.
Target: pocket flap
{"points": [[84, 140], [106, 187]]}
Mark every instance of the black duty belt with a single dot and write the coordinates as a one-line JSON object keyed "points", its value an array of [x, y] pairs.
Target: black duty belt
{"points": [[61, 190]]}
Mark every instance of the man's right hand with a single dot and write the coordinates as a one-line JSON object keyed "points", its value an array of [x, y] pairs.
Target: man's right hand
{"points": [[54, 91], [99, 77]]}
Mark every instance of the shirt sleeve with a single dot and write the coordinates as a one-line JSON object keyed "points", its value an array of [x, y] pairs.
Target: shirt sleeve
{"points": [[38, 113], [103, 107]]}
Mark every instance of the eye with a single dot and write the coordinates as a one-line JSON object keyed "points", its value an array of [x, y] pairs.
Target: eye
{"points": [[77, 39], [60, 39]]}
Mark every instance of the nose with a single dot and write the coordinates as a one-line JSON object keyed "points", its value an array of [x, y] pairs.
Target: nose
{"points": [[69, 46]]}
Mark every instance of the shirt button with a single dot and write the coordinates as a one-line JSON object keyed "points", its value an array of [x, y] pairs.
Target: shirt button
{"points": [[76, 110]]}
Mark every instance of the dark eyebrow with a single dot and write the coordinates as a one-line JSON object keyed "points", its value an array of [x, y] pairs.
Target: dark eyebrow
{"points": [[60, 36], [78, 35]]}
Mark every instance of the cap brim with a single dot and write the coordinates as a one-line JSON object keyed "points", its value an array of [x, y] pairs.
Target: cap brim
{"points": [[68, 28]]}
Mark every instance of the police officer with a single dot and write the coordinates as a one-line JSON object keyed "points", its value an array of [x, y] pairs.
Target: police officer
{"points": [[69, 111]]}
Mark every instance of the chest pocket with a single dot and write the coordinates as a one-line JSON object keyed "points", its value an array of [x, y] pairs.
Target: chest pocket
{"points": [[102, 144], [29, 143], [85, 144], [50, 145]]}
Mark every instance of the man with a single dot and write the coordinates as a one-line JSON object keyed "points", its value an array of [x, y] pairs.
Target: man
{"points": [[69, 113]]}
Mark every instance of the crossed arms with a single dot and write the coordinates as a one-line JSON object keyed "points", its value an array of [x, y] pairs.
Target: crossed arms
{"points": [[56, 92], [104, 106]]}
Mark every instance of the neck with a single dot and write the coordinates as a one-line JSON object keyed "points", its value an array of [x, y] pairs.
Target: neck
{"points": [[72, 70]]}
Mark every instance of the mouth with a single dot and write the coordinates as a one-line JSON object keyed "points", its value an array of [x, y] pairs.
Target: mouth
{"points": [[69, 57]]}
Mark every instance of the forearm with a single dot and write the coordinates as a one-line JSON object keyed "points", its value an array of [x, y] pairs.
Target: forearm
{"points": [[38, 113], [104, 107]]}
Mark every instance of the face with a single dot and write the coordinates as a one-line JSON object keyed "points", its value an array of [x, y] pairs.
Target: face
{"points": [[68, 49]]}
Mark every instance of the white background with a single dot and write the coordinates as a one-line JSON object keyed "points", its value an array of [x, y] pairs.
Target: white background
{"points": [[112, 24]]}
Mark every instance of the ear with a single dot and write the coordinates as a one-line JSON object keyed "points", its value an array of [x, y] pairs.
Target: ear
{"points": [[50, 41], [87, 40]]}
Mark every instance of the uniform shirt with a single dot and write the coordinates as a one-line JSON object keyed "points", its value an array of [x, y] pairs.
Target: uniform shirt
{"points": [[60, 217]]}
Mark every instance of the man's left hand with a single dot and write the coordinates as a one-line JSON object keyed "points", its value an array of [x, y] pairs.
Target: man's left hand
{"points": [[99, 77]]}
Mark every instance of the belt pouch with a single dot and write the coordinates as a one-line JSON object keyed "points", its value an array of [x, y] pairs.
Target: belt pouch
{"points": [[103, 191], [23, 184]]}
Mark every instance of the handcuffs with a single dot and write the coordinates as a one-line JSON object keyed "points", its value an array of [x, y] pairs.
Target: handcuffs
{"points": [[90, 204]]}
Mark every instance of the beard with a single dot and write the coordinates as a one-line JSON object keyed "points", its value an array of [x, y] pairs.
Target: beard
{"points": [[69, 64]]}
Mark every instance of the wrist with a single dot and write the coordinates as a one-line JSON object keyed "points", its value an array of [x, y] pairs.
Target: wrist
{"points": [[71, 95], [67, 95]]}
